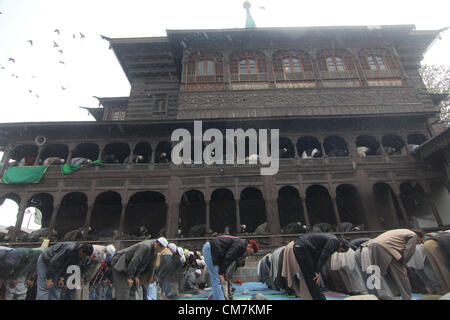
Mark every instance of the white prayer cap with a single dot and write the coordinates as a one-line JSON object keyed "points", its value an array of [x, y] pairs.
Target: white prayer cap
{"points": [[163, 241], [198, 272], [110, 249], [180, 252], [172, 247], [191, 253], [200, 262], [98, 255], [183, 259]]}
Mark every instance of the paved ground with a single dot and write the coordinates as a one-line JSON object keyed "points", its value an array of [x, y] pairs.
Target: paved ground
{"points": [[248, 289]]}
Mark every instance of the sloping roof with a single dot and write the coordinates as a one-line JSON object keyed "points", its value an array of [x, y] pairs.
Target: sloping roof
{"points": [[434, 144]]}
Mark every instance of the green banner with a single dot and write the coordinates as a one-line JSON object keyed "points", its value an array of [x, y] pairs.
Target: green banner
{"points": [[32, 174]]}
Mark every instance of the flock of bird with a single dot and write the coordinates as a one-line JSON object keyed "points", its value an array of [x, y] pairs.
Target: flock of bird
{"points": [[12, 60]]}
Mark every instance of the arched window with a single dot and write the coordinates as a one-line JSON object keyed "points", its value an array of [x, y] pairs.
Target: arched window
{"points": [[376, 62], [291, 64], [335, 64], [293, 69], [337, 68], [248, 66], [205, 68], [380, 67], [205, 72]]}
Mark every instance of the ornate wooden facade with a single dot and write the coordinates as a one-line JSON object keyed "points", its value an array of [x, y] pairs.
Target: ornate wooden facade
{"points": [[347, 86]]}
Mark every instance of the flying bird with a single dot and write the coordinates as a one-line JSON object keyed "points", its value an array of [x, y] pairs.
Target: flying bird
{"points": [[13, 75], [81, 35], [262, 8], [62, 62], [12, 59], [37, 96], [64, 88], [55, 45], [60, 51], [30, 91], [30, 41], [57, 31], [73, 36]]}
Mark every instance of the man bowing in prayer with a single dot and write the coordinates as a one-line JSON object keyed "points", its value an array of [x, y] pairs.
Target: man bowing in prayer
{"points": [[312, 251], [220, 252], [130, 263]]}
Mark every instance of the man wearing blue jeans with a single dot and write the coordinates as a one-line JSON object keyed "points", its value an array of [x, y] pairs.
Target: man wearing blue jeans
{"points": [[220, 253]]}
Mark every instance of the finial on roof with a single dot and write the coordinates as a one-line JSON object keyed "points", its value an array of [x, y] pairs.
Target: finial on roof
{"points": [[249, 22]]}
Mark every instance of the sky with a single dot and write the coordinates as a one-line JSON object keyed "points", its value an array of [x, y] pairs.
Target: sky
{"points": [[46, 84]]}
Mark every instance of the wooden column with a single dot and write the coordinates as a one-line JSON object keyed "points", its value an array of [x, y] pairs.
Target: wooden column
{"points": [[434, 209], [336, 211], [6, 155], [207, 207], [305, 212], [87, 221], [402, 209], [238, 217], [36, 161], [122, 218], [316, 69]]}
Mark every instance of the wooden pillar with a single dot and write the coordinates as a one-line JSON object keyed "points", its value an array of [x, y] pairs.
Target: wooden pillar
{"points": [[305, 212], [21, 212], [238, 217], [122, 218], [52, 223], [359, 68], [6, 155], [152, 160], [40, 149], [336, 211], [207, 212], [132, 146], [434, 208], [87, 221], [270, 69], [316, 69], [402, 209]]}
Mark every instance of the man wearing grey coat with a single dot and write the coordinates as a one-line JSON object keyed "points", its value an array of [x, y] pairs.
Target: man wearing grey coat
{"points": [[130, 263], [52, 267]]}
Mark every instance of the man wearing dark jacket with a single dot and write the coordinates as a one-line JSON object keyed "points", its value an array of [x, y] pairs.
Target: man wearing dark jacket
{"points": [[23, 274], [130, 263], [220, 253], [312, 250], [52, 267]]}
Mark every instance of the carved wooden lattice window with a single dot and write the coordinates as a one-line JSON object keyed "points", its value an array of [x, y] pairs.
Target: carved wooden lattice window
{"points": [[292, 66], [337, 67], [205, 68], [248, 66], [378, 59]]}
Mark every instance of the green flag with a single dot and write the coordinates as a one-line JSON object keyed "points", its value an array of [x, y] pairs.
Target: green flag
{"points": [[68, 168], [32, 174]]}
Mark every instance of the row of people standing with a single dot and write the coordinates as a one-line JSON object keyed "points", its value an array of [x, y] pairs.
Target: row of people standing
{"points": [[131, 273]]}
